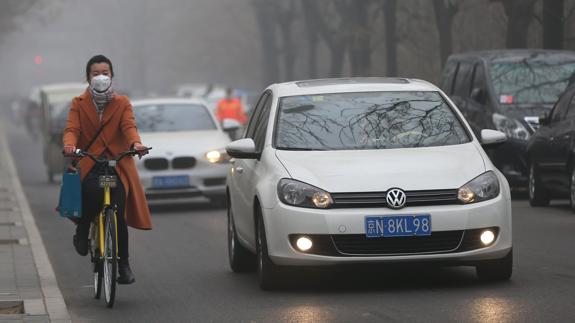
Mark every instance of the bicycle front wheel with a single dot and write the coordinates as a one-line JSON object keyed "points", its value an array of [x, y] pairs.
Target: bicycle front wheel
{"points": [[110, 257]]}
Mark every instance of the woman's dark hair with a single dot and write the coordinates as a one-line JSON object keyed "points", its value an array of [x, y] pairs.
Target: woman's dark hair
{"points": [[96, 60]]}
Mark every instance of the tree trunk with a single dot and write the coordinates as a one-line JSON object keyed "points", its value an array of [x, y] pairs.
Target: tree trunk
{"points": [[337, 53], [265, 19], [390, 17], [285, 19], [444, 13], [360, 45], [519, 16], [312, 39], [553, 23], [335, 41]]}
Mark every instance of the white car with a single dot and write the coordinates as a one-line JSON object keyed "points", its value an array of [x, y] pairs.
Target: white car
{"points": [[188, 161], [365, 170]]}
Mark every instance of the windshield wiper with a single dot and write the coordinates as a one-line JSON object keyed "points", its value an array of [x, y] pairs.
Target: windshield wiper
{"points": [[298, 148]]}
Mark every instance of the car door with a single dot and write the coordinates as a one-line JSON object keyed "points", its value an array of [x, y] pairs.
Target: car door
{"points": [[244, 172], [478, 108], [462, 88], [563, 142], [551, 141]]}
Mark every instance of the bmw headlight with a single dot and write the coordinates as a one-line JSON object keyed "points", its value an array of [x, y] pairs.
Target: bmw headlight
{"points": [[297, 193], [482, 188], [217, 156], [511, 127]]}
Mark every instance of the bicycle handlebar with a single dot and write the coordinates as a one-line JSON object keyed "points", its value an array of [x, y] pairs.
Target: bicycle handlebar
{"points": [[81, 154]]}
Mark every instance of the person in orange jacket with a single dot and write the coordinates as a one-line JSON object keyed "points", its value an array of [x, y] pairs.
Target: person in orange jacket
{"points": [[231, 108]]}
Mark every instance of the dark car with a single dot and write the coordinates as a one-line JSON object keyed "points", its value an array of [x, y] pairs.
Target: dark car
{"points": [[551, 152], [507, 90]]}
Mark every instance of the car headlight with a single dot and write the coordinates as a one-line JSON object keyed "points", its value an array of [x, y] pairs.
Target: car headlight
{"points": [[217, 156], [511, 127], [482, 188], [297, 193]]}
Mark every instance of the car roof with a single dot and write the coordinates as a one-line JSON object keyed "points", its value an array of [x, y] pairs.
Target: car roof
{"points": [[514, 54], [152, 101], [352, 84]]}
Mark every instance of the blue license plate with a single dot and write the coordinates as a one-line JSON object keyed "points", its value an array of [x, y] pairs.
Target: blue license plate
{"points": [[398, 226], [170, 181]]}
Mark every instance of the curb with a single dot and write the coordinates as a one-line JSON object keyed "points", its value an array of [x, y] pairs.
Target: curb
{"points": [[53, 299]]}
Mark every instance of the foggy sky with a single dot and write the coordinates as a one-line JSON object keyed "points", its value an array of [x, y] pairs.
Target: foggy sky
{"points": [[154, 45]]}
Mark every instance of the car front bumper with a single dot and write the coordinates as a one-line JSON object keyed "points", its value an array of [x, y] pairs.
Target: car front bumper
{"points": [[208, 182], [282, 220]]}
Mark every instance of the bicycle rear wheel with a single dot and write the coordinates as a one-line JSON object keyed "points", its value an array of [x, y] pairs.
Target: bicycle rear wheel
{"points": [[110, 262]]}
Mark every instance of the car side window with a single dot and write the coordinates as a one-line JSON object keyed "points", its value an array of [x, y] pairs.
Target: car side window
{"points": [[479, 77], [262, 125], [561, 106], [571, 108], [448, 76], [255, 115], [463, 82]]}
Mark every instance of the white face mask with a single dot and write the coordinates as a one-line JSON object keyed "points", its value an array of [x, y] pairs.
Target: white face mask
{"points": [[101, 83]]}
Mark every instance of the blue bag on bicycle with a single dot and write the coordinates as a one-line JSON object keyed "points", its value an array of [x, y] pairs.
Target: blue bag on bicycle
{"points": [[70, 204]]}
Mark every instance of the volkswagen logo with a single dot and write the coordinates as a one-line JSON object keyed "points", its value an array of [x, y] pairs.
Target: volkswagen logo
{"points": [[395, 198]]}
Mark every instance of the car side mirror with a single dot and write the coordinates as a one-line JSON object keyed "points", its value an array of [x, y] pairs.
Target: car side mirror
{"points": [[243, 149], [544, 119], [231, 124], [492, 138], [478, 95]]}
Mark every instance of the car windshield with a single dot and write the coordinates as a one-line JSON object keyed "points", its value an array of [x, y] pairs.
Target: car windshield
{"points": [[531, 82], [367, 120], [173, 117]]}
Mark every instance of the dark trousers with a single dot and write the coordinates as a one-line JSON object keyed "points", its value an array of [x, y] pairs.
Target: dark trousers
{"points": [[92, 203]]}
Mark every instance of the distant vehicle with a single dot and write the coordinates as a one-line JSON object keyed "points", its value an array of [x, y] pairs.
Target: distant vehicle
{"points": [[551, 152], [53, 101], [188, 161], [507, 90], [364, 170]]}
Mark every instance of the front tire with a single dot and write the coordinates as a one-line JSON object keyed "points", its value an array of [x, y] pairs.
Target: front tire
{"points": [[241, 259], [98, 279], [496, 270], [268, 273], [110, 262], [537, 194]]}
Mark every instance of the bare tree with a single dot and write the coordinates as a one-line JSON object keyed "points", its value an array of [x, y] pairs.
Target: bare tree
{"points": [[553, 24], [519, 17], [390, 20], [265, 16], [445, 11], [11, 9]]}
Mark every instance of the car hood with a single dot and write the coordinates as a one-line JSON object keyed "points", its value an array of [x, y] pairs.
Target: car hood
{"points": [[447, 167], [184, 142]]}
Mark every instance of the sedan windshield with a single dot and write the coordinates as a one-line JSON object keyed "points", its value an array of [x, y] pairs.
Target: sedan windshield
{"points": [[531, 82], [173, 117], [368, 120]]}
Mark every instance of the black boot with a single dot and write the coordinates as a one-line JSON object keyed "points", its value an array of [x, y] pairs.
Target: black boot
{"points": [[81, 242], [125, 273]]}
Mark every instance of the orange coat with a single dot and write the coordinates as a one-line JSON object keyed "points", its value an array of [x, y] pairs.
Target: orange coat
{"points": [[118, 135], [231, 109]]}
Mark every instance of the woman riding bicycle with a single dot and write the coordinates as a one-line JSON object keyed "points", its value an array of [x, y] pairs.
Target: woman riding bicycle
{"points": [[99, 106]]}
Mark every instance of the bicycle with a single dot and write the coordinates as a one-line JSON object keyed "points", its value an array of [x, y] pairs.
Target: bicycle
{"points": [[103, 230]]}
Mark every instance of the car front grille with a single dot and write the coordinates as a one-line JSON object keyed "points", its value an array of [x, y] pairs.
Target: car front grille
{"points": [[377, 199], [350, 245], [156, 163], [183, 162], [359, 244]]}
